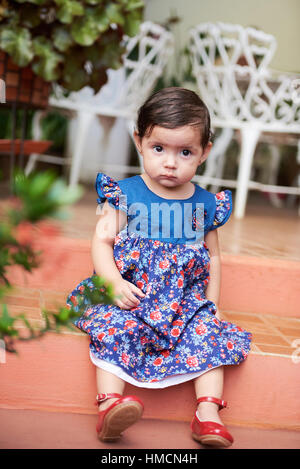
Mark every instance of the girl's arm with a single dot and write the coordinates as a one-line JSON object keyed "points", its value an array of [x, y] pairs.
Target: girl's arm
{"points": [[213, 287], [110, 223]]}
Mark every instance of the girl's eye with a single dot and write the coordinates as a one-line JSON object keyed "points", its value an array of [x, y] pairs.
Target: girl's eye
{"points": [[158, 148], [185, 152]]}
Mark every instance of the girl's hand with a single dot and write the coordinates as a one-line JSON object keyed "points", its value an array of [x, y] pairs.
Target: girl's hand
{"points": [[218, 314], [126, 294]]}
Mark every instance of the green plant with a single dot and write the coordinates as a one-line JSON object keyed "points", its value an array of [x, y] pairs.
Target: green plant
{"points": [[54, 127], [38, 197], [71, 42]]}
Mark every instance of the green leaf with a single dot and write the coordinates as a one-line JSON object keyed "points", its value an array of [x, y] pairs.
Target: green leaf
{"points": [[94, 2], [47, 61], [98, 78], [43, 195], [102, 22], [131, 5], [19, 181], [6, 236], [114, 13], [40, 183], [63, 315], [62, 38], [132, 23], [68, 9], [54, 127], [26, 258], [29, 16], [18, 44], [74, 76], [4, 256], [86, 30], [6, 323], [60, 214], [111, 51], [62, 194]]}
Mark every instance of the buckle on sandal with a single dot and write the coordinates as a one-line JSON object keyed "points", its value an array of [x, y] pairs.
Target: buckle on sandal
{"points": [[102, 398]]}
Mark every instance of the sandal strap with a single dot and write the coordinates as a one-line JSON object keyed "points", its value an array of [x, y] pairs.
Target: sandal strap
{"points": [[219, 402], [104, 396]]}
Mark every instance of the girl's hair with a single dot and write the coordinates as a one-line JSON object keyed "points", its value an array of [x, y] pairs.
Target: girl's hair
{"points": [[171, 108]]}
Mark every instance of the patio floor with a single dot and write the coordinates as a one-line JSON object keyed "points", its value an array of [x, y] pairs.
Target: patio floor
{"points": [[265, 231], [29, 429]]}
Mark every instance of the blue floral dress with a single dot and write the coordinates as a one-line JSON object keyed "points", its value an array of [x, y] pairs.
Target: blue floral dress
{"points": [[173, 335]]}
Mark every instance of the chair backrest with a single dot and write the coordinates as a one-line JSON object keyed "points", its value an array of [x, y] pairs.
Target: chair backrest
{"points": [[146, 56], [230, 64]]}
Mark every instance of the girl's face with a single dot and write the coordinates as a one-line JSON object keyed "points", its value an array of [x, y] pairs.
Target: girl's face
{"points": [[172, 156]]}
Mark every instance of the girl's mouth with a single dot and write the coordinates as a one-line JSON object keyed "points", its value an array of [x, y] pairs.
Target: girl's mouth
{"points": [[168, 176]]}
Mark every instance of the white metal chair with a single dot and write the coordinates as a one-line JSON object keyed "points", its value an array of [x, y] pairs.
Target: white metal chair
{"points": [[230, 64], [146, 56]]}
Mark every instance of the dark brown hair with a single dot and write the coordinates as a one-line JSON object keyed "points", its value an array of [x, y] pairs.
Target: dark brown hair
{"points": [[171, 108]]}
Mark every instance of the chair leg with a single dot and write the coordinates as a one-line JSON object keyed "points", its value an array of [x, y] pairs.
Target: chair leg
{"points": [[214, 165], [296, 182], [31, 163], [130, 123], [37, 135], [275, 200], [83, 124], [249, 136]]}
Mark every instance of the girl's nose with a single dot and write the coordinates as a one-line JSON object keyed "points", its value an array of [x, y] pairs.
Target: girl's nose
{"points": [[170, 161]]}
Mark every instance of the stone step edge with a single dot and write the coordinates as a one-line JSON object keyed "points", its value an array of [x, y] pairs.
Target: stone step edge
{"points": [[259, 391]]}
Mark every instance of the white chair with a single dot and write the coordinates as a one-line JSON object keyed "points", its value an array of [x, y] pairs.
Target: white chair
{"points": [[230, 64], [146, 56]]}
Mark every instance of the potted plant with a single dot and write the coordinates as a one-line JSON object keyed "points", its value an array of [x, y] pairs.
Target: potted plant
{"points": [[69, 42], [38, 198]]}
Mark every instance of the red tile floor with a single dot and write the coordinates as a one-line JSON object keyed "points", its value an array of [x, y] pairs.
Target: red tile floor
{"points": [[264, 231], [271, 334], [30, 429]]}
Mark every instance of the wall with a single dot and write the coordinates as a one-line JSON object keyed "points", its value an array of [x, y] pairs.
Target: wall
{"points": [[277, 17]]}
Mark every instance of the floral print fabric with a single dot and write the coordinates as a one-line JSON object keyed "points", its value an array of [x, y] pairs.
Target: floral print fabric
{"points": [[174, 330]]}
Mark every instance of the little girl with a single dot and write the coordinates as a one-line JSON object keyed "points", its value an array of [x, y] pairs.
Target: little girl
{"points": [[156, 242]]}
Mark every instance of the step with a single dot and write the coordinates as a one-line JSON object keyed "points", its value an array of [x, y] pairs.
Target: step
{"points": [[33, 429], [252, 284], [260, 294], [54, 373]]}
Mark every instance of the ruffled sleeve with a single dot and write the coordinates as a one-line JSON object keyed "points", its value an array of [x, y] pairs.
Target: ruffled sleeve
{"points": [[223, 210], [108, 189]]}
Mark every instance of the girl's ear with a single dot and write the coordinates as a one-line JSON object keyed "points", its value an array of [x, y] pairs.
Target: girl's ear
{"points": [[206, 152], [137, 141]]}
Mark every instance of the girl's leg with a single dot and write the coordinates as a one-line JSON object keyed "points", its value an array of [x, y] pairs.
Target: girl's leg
{"points": [[112, 423], [210, 384], [107, 383]]}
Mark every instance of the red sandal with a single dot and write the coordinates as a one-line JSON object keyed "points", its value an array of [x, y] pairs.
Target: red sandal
{"points": [[211, 433], [117, 417]]}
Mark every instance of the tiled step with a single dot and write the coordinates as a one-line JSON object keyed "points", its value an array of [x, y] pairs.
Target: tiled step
{"points": [[271, 333], [55, 373], [27, 429], [253, 284]]}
